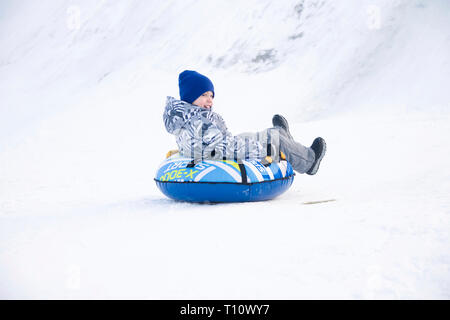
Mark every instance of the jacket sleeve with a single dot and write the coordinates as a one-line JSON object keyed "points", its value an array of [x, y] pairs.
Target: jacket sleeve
{"points": [[174, 115]]}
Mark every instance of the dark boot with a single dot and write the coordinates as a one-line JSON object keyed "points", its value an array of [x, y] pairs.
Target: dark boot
{"points": [[320, 147], [281, 122]]}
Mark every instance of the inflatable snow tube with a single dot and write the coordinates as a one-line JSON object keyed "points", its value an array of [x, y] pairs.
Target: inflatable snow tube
{"points": [[222, 181]]}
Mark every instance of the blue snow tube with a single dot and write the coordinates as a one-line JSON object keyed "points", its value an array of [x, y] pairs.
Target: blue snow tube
{"points": [[180, 178]]}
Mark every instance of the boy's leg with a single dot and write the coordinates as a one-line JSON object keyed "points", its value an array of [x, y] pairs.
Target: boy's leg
{"points": [[300, 157], [268, 143], [273, 140]]}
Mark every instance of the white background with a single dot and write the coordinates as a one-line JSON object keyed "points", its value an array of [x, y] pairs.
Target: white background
{"points": [[82, 91]]}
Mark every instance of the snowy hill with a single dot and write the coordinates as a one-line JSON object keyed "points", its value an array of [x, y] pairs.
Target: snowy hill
{"points": [[82, 87]]}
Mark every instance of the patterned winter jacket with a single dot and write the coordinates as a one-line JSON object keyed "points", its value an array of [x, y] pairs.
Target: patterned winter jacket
{"points": [[202, 134]]}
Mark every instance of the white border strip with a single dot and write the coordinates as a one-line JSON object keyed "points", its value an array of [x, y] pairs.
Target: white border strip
{"points": [[283, 167], [254, 170], [204, 173], [269, 171]]}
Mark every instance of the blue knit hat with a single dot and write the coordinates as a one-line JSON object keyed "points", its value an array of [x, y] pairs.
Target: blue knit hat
{"points": [[192, 85]]}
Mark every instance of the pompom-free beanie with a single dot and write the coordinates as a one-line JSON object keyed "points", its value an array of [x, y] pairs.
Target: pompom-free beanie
{"points": [[192, 85]]}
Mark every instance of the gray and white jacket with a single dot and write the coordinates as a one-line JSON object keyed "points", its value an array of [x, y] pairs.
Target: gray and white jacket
{"points": [[202, 134]]}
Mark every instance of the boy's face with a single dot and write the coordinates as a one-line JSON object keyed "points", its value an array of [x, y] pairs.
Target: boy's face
{"points": [[205, 100]]}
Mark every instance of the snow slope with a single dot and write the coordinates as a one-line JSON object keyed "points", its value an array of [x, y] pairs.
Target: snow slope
{"points": [[82, 87]]}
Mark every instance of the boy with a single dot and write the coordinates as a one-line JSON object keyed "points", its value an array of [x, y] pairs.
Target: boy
{"points": [[202, 134]]}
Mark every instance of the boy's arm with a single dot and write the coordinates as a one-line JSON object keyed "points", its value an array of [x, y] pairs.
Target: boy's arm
{"points": [[174, 115]]}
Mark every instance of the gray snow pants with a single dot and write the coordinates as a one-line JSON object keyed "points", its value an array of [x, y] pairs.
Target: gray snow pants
{"points": [[277, 139]]}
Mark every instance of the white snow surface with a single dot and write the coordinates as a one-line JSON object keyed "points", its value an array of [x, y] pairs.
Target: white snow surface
{"points": [[82, 91]]}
